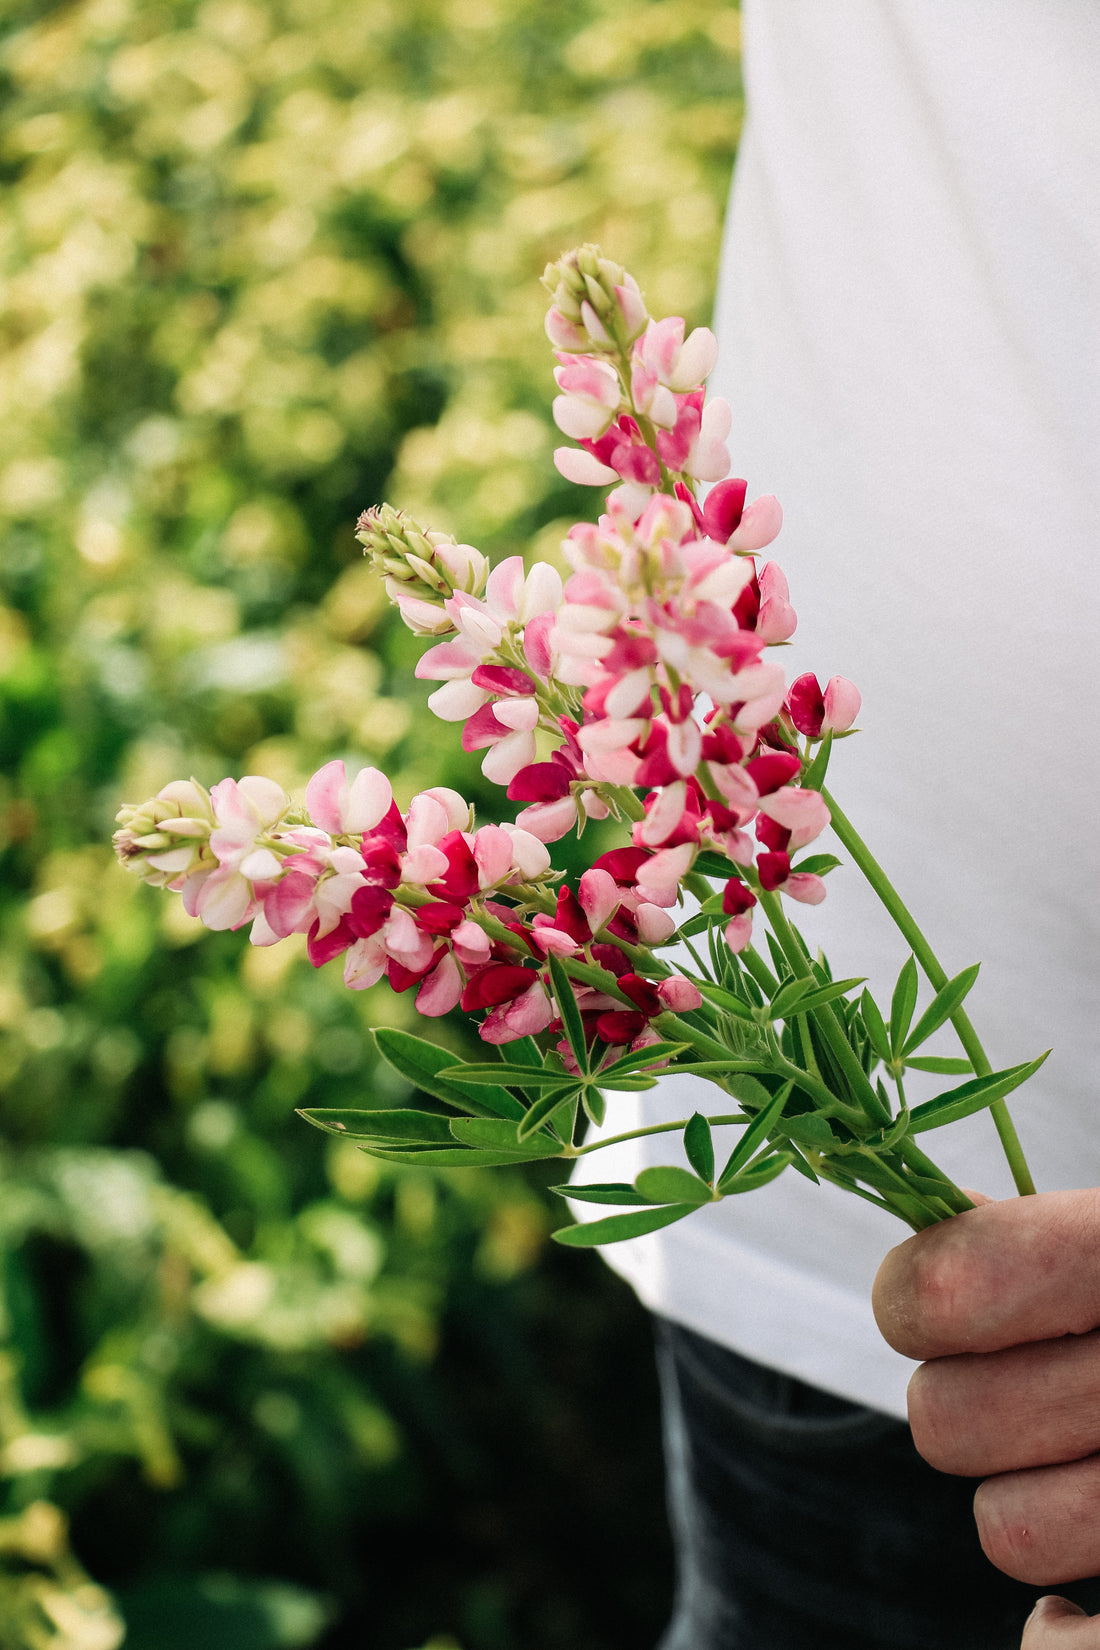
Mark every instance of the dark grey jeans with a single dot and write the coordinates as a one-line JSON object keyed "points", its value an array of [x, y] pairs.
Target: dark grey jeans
{"points": [[804, 1522]]}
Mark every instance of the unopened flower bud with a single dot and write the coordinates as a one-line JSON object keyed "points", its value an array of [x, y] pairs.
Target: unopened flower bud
{"points": [[166, 837], [596, 305], [421, 570]]}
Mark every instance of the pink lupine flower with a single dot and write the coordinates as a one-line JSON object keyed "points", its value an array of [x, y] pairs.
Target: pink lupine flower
{"points": [[776, 619], [776, 875], [442, 988], [815, 713], [679, 995], [244, 811], [651, 398], [590, 398], [737, 903], [678, 364], [348, 809]]}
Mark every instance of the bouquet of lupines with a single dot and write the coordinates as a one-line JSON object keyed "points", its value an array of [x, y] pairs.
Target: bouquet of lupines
{"points": [[641, 691]]}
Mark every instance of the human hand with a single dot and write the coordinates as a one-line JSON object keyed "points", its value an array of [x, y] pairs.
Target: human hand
{"points": [[1056, 1624], [1004, 1302]]}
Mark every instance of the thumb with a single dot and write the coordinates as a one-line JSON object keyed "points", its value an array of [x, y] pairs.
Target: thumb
{"points": [[1056, 1624]]}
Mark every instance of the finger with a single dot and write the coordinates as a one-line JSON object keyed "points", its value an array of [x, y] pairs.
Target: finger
{"points": [[1056, 1624], [1027, 1269], [1029, 1406], [1042, 1526]]}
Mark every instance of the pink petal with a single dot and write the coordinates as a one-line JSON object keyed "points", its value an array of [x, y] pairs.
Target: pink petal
{"points": [[664, 816], [507, 758], [842, 702], [493, 854], [580, 467], [598, 893], [549, 820], [805, 886], [441, 989], [655, 926], [368, 801], [759, 525], [679, 994]]}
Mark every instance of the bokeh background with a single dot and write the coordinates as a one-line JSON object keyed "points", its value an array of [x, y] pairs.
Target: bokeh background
{"points": [[264, 263]]}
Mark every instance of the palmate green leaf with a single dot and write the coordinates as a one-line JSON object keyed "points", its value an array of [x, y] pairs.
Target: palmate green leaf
{"points": [[902, 1004], [408, 1126], [423, 1063], [941, 1008], [606, 1192], [572, 1024], [635, 1223], [496, 1134], [699, 1147], [756, 1133], [971, 1097], [943, 1064], [667, 1183], [875, 1026]]}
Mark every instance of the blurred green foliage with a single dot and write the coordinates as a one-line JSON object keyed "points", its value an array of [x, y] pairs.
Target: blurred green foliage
{"points": [[262, 265]]}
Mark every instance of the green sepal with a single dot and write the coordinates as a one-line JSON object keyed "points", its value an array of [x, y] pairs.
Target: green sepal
{"points": [[902, 1004], [613, 1229], [971, 1097], [666, 1183], [413, 1127], [699, 1147], [941, 1008], [422, 1063], [757, 1131], [610, 1191]]}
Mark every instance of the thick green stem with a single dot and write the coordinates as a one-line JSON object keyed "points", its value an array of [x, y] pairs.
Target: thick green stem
{"points": [[937, 978]]}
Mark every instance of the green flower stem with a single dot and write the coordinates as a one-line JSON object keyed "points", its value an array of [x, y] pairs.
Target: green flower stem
{"points": [[830, 1028], [654, 1128], [937, 979]]}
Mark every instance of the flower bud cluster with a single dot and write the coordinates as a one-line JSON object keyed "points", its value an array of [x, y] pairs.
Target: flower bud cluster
{"points": [[421, 570]]}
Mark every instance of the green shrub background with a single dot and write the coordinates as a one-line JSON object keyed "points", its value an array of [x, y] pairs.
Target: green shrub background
{"points": [[262, 265]]}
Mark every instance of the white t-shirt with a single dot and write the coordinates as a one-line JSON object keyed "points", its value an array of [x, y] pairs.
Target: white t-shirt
{"points": [[909, 319]]}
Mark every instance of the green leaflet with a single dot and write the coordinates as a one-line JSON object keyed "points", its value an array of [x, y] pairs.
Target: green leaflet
{"points": [[759, 1174], [699, 1147], [615, 1228], [971, 1097], [942, 1064], [875, 1026], [393, 1127], [941, 1008], [668, 1183], [515, 1076], [493, 1134], [803, 996], [571, 1020], [610, 1191], [754, 1135], [902, 1004], [422, 1063]]}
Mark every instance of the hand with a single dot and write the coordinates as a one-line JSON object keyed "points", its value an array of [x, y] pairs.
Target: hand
{"points": [[1056, 1624], [1004, 1303]]}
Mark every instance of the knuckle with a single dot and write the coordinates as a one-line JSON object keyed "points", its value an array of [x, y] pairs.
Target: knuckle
{"points": [[941, 1434]]}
